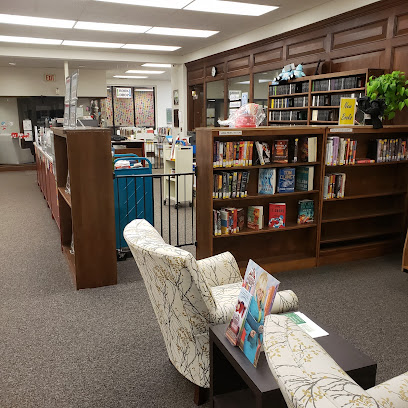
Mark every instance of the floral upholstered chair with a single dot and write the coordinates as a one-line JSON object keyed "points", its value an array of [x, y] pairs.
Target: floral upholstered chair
{"points": [[309, 378], [188, 296]]}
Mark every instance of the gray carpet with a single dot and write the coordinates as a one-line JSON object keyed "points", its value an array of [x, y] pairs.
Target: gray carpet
{"points": [[102, 347]]}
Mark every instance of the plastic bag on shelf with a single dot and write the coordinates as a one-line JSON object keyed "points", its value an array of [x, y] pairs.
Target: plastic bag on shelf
{"points": [[249, 115]]}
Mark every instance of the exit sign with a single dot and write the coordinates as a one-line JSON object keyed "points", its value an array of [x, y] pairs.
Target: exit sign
{"points": [[49, 77]]}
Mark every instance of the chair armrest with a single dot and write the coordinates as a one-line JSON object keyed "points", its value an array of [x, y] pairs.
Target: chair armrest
{"points": [[219, 270], [285, 301], [392, 393]]}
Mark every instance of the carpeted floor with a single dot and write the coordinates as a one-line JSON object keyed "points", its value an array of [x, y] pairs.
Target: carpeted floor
{"points": [[102, 347]]}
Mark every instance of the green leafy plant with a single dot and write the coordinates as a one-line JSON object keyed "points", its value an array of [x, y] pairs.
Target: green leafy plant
{"points": [[393, 88]]}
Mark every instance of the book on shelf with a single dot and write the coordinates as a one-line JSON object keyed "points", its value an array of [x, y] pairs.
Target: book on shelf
{"points": [[277, 215], [387, 150], [267, 181], [340, 151], [334, 185], [254, 303], [305, 211], [232, 184], [255, 217], [280, 151], [227, 221], [304, 178], [336, 84], [292, 102], [286, 180], [308, 149], [230, 154], [289, 89], [263, 153], [293, 150]]}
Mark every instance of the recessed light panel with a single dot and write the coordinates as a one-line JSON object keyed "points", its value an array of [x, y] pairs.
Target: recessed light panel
{"points": [[130, 76], [144, 90], [151, 65], [91, 44], [29, 40], [150, 47], [182, 32], [229, 7], [172, 4], [139, 71], [120, 28], [36, 21]]}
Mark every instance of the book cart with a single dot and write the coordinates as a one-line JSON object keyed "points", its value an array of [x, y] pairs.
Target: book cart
{"points": [[315, 100], [370, 220]]}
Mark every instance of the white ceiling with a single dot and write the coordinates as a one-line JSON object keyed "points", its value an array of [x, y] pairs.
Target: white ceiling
{"points": [[116, 61]]}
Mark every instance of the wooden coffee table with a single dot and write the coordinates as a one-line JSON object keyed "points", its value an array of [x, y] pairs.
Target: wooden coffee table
{"points": [[235, 382]]}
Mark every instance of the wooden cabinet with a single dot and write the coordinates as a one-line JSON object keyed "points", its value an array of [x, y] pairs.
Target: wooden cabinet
{"points": [[87, 215]]}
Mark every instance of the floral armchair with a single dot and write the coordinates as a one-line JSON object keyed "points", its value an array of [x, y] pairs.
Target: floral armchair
{"points": [[309, 378], [188, 295]]}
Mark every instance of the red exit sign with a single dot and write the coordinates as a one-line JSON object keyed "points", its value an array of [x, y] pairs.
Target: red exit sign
{"points": [[49, 77]]}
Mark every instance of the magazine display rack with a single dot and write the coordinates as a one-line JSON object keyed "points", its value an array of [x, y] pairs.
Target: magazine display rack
{"points": [[370, 220], [86, 209]]}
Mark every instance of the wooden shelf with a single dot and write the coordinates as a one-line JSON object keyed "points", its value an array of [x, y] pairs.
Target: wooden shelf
{"points": [[265, 196], [289, 95], [266, 166], [338, 91], [287, 121], [267, 230], [289, 109], [324, 107], [339, 236], [369, 164], [358, 216], [332, 122], [65, 196], [71, 260], [357, 197]]}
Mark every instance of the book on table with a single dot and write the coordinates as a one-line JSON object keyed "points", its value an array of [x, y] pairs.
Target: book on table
{"points": [[255, 300]]}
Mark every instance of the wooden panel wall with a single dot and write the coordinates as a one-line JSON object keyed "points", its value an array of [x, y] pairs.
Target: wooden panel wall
{"points": [[374, 36]]}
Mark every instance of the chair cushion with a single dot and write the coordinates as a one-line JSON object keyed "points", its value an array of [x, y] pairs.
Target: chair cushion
{"points": [[225, 298]]}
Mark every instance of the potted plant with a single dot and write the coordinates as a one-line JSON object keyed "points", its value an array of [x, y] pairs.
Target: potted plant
{"points": [[386, 95]]}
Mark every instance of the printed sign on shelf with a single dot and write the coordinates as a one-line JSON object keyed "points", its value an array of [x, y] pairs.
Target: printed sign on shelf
{"points": [[124, 93], [347, 111]]}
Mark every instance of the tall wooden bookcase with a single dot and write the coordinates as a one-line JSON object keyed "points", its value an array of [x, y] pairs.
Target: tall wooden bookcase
{"points": [[87, 214], [306, 91], [370, 220]]}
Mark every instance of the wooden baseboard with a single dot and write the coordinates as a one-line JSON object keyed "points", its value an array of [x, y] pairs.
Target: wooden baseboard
{"points": [[17, 167]]}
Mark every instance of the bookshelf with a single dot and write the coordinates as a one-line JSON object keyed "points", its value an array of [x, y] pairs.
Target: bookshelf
{"points": [[315, 100], [87, 213], [294, 246], [370, 220]]}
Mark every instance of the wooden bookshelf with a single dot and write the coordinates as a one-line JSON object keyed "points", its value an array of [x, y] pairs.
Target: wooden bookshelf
{"points": [[87, 213], [310, 83], [373, 211], [370, 220], [280, 249]]}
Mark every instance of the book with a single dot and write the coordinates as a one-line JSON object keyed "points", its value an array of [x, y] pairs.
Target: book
{"points": [[254, 303], [277, 215], [225, 222], [304, 178], [255, 217], [280, 151], [308, 149], [240, 219], [264, 153], [266, 181], [305, 211], [286, 180], [293, 150]]}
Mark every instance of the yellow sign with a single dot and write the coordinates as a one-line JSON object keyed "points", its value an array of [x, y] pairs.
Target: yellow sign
{"points": [[347, 111]]}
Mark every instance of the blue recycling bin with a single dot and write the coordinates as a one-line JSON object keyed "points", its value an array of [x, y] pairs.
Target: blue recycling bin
{"points": [[133, 195]]}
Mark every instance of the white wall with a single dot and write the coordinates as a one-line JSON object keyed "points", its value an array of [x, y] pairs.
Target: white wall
{"points": [[179, 82], [163, 96], [16, 81], [9, 113]]}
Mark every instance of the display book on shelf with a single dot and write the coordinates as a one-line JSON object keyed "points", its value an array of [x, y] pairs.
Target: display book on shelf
{"points": [[368, 221], [315, 99], [87, 215], [178, 159]]}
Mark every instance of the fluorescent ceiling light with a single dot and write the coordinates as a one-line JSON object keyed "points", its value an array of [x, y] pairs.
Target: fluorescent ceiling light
{"points": [[151, 65], [261, 81], [144, 90], [150, 47], [182, 32], [243, 82], [139, 71], [172, 4], [29, 40], [36, 21], [121, 28], [91, 44], [130, 76], [230, 7]]}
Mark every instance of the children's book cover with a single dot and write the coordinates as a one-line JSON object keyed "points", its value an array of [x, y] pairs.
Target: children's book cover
{"points": [[266, 181], [277, 215], [254, 303]]}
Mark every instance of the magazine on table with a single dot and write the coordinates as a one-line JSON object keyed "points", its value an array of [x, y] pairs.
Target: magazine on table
{"points": [[255, 301]]}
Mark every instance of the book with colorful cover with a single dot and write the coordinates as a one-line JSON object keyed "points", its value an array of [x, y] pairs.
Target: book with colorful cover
{"points": [[255, 301], [305, 211], [266, 181], [286, 180], [255, 217], [277, 215], [280, 151], [304, 178]]}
